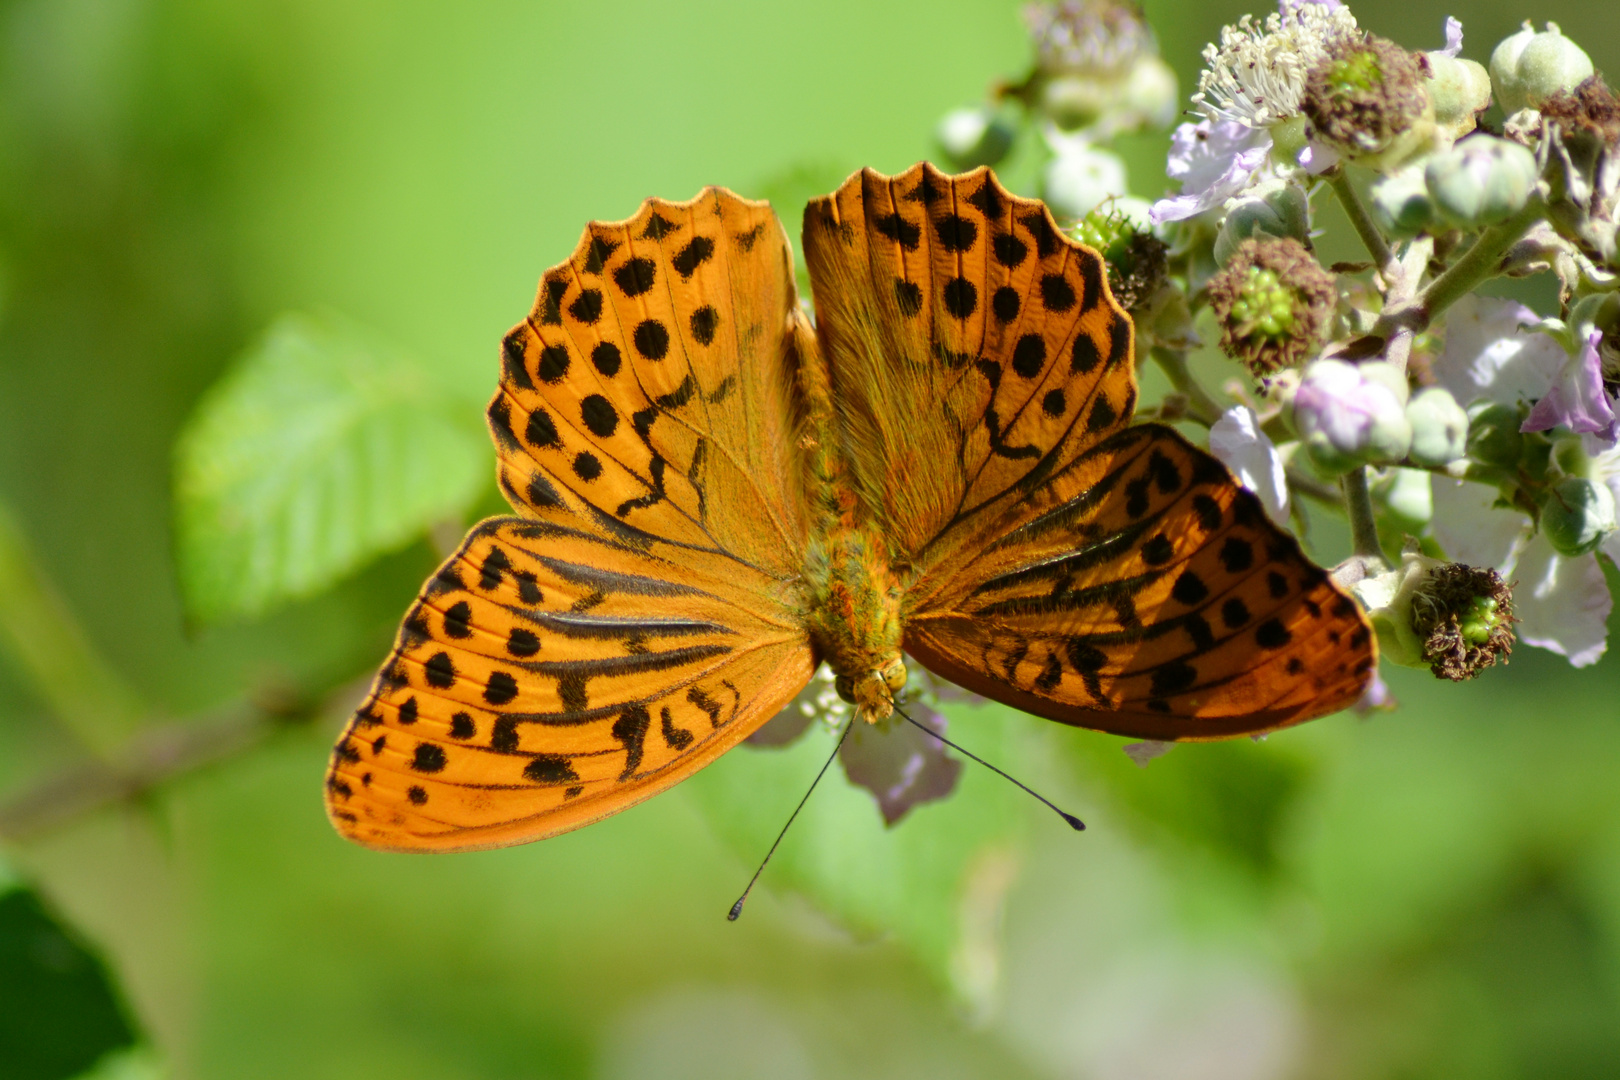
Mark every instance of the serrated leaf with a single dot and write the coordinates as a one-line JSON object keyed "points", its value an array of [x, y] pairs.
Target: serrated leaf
{"points": [[912, 882], [318, 451]]}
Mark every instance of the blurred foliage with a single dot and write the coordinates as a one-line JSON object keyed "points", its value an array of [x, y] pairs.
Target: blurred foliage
{"points": [[59, 1013], [318, 451], [1434, 892]]}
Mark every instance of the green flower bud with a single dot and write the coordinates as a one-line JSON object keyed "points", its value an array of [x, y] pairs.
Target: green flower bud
{"points": [[1528, 68], [1481, 181], [1150, 94], [1493, 435], [974, 136], [1400, 202], [1461, 90], [1284, 211], [1136, 259], [1439, 427], [1577, 515], [1274, 303], [1404, 501]]}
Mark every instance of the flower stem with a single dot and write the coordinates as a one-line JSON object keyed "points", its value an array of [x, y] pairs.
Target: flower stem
{"points": [[1358, 504], [1200, 406], [1365, 228]]}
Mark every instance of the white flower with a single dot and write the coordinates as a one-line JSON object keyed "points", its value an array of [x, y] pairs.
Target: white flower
{"points": [[1256, 75], [1562, 603], [1214, 161], [1236, 439], [1493, 352]]}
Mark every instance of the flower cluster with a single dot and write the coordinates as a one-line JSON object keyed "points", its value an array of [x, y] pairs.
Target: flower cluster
{"points": [[1473, 444]]}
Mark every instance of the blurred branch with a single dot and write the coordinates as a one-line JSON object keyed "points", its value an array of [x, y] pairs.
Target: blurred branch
{"points": [[157, 756], [38, 631]]}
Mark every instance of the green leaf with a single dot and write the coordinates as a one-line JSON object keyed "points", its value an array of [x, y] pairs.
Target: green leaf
{"points": [[59, 1012], [933, 882], [318, 451]]}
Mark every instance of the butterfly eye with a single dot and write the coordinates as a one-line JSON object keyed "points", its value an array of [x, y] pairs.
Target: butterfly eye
{"points": [[894, 675], [845, 685]]}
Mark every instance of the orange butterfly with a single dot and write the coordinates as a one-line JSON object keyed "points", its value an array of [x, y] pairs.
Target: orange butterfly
{"points": [[714, 495]]}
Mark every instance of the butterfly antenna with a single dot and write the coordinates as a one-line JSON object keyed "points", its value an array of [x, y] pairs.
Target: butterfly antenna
{"points": [[736, 909], [1075, 823]]}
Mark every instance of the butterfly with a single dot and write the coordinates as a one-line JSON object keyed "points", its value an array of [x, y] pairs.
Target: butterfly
{"points": [[714, 494]]}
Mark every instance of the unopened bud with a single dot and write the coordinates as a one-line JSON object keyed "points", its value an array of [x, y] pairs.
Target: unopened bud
{"points": [[1080, 177], [1528, 68], [1481, 181], [1284, 211], [1348, 414], [1400, 202], [1577, 515], [1461, 90], [1439, 427], [974, 136], [1494, 438]]}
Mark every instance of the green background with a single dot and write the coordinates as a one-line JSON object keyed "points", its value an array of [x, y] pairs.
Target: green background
{"points": [[1433, 892]]}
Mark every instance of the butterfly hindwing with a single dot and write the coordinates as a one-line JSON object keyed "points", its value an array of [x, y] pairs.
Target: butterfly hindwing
{"points": [[546, 678], [1151, 597]]}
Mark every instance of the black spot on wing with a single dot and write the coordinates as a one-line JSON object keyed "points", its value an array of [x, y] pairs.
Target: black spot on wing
{"points": [[905, 233], [697, 251]]}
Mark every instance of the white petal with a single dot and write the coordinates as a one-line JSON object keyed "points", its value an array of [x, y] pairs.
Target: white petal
{"points": [[1489, 353], [1562, 603], [1473, 531], [1236, 439], [1144, 752]]}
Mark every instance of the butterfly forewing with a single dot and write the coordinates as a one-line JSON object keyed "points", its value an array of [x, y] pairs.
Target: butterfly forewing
{"points": [[648, 388], [643, 614], [1062, 562], [973, 347]]}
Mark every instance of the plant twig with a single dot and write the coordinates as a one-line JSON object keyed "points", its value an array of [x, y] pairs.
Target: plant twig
{"points": [[1358, 505], [1200, 405], [1365, 228]]}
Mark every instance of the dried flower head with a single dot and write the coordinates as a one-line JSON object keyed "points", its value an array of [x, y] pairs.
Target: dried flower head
{"points": [[1274, 303], [1464, 617], [1591, 109], [1365, 93]]}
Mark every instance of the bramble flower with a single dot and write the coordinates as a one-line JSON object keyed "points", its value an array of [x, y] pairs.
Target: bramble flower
{"points": [[1214, 160], [1367, 97], [1253, 81], [1236, 439], [1577, 398], [1097, 68], [1493, 353], [899, 764], [1080, 176], [1562, 602]]}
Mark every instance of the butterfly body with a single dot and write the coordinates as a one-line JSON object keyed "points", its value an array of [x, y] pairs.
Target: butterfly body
{"points": [[713, 495]]}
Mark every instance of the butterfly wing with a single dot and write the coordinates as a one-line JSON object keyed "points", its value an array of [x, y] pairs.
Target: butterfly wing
{"points": [[1061, 561], [641, 615]]}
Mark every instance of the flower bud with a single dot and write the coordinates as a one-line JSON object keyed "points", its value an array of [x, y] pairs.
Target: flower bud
{"points": [[1079, 177], [1368, 98], [1481, 181], [1274, 303], [1460, 89], [1577, 515], [1136, 259], [1400, 202], [1151, 94], [974, 136], [1405, 501], [1528, 68], [1439, 427], [1283, 211], [1348, 415], [1494, 438]]}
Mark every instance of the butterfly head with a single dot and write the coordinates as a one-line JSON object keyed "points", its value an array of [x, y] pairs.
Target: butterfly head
{"points": [[872, 692]]}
